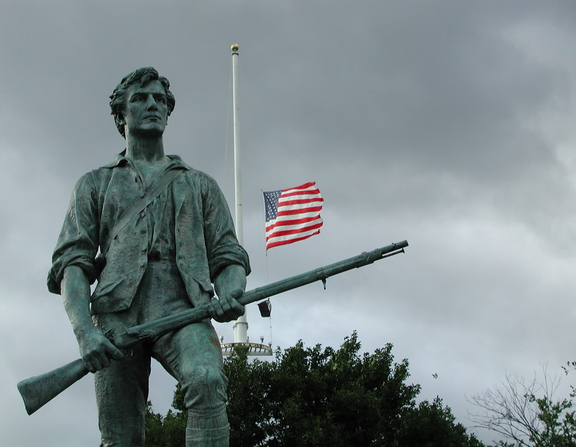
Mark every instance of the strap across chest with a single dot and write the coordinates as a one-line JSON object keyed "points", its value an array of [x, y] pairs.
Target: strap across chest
{"points": [[155, 190]]}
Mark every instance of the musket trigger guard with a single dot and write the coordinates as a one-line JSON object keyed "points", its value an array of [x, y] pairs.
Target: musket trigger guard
{"points": [[140, 335], [143, 335]]}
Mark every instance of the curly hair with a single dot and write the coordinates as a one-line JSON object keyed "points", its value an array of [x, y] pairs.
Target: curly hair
{"points": [[142, 76]]}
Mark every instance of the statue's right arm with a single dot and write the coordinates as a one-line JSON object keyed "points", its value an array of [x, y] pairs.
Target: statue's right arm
{"points": [[95, 349]]}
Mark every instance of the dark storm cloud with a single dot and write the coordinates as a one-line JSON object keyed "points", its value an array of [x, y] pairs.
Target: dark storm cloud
{"points": [[446, 123]]}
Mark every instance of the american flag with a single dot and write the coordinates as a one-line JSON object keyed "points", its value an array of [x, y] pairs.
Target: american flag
{"points": [[292, 214]]}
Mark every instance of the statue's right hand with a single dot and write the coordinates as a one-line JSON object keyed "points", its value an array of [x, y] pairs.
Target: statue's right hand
{"points": [[96, 351]]}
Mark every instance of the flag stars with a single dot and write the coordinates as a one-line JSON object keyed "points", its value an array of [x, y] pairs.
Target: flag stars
{"points": [[292, 214]]}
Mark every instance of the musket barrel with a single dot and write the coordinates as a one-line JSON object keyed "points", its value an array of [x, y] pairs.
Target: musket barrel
{"points": [[166, 324], [320, 274]]}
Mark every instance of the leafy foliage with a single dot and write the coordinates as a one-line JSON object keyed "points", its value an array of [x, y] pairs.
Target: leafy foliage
{"points": [[169, 430], [325, 397], [527, 414]]}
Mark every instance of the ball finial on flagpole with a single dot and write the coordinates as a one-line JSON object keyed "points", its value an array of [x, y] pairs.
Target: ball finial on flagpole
{"points": [[234, 48]]}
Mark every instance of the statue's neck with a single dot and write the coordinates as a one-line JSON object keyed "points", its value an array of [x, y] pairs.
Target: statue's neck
{"points": [[149, 150]]}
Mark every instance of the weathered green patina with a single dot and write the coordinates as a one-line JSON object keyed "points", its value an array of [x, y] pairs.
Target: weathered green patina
{"points": [[37, 391], [163, 260]]}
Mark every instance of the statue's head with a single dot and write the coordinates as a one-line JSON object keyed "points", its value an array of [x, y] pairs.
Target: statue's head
{"points": [[141, 76]]}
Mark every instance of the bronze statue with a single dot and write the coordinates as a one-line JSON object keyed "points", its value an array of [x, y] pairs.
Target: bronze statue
{"points": [[158, 237]]}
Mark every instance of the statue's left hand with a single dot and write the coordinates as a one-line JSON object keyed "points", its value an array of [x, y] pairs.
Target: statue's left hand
{"points": [[226, 307]]}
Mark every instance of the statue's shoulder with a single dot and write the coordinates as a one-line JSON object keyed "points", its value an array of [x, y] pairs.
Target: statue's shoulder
{"points": [[195, 175], [98, 178]]}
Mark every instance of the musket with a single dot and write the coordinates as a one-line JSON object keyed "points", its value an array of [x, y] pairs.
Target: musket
{"points": [[39, 390]]}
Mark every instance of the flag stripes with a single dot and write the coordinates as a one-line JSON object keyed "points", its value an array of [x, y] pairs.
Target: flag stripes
{"points": [[292, 214]]}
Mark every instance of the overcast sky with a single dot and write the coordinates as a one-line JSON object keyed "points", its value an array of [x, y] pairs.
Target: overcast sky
{"points": [[450, 124]]}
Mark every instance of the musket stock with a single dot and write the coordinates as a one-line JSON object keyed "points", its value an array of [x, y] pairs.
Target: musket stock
{"points": [[39, 390]]}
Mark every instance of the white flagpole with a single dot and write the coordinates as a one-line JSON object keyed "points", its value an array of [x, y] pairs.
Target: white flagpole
{"points": [[241, 324], [237, 172]]}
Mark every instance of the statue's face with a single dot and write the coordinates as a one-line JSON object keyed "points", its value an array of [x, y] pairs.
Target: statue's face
{"points": [[146, 109]]}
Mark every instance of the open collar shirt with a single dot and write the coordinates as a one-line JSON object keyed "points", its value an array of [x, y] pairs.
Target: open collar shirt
{"points": [[189, 223]]}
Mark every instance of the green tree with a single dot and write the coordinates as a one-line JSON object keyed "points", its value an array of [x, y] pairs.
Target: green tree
{"points": [[527, 413], [325, 397], [169, 430]]}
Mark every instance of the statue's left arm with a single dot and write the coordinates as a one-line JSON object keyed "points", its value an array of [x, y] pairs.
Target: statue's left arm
{"points": [[229, 286], [228, 261]]}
